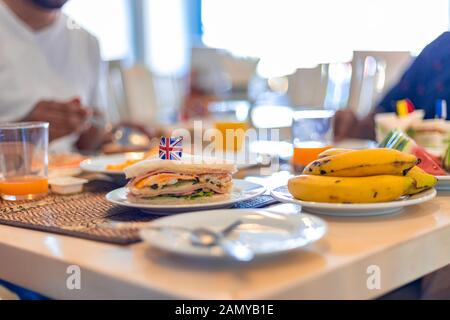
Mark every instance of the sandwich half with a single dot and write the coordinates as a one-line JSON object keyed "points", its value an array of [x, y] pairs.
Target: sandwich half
{"points": [[190, 180]]}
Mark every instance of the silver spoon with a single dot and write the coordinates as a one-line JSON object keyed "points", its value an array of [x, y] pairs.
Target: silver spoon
{"points": [[208, 238]]}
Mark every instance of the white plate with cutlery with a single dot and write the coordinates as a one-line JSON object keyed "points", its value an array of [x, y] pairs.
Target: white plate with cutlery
{"points": [[234, 234]]}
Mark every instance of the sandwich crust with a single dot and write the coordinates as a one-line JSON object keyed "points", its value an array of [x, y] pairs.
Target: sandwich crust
{"points": [[189, 165]]}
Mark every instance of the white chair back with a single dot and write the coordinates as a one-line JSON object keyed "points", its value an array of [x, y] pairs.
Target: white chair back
{"points": [[169, 93], [239, 70], [308, 87], [140, 94], [373, 73], [117, 109]]}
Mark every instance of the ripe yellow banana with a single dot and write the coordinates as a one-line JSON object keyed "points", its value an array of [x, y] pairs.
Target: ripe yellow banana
{"points": [[422, 180], [333, 152], [362, 163], [349, 190]]}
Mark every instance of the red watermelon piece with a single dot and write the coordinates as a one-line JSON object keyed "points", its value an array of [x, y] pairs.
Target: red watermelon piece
{"points": [[427, 161]]}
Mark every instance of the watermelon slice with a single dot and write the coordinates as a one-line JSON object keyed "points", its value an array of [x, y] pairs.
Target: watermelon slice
{"points": [[427, 163], [398, 140]]}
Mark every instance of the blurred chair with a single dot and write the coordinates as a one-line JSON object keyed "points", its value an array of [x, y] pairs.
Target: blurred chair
{"points": [[169, 92], [373, 73], [222, 74], [338, 86], [141, 100], [117, 109], [308, 87], [206, 65], [239, 71]]}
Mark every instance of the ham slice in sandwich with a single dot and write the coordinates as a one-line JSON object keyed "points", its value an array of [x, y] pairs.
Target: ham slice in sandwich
{"points": [[189, 179]]}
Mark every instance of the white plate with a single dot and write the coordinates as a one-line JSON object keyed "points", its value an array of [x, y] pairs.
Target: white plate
{"points": [[242, 190], [443, 183], [99, 164], [354, 209], [262, 232]]}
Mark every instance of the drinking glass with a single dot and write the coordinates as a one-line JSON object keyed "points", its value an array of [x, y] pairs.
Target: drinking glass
{"points": [[23, 160], [312, 133], [231, 120]]}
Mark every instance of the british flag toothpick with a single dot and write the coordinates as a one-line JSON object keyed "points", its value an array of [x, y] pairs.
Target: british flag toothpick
{"points": [[171, 148]]}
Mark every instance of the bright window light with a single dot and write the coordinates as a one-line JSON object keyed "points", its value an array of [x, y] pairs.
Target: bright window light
{"points": [[166, 36], [108, 20], [290, 34]]}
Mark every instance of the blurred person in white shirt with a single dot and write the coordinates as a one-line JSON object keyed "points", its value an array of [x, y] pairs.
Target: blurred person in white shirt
{"points": [[50, 70]]}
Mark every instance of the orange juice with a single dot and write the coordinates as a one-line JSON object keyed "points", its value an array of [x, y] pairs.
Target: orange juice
{"points": [[238, 129], [306, 152], [25, 187]]}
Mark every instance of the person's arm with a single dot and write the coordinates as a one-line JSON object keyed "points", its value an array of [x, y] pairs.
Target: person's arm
{"points": [[347, 125], [95, 133], [64, 117]]}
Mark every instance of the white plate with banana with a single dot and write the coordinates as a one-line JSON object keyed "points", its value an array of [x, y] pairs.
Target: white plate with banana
{"points": [[354, 209], [359, 183]]}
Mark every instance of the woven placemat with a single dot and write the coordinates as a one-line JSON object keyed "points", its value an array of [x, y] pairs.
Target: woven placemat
{"points": [[86, 215]]}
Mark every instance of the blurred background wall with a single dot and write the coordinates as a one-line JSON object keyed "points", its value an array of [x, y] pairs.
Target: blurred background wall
{"points": [[321, 54]]}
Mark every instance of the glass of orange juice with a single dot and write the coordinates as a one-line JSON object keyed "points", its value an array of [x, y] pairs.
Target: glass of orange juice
{"points": [[23, 160], [312, 133], [233, 133], [231, 120]]}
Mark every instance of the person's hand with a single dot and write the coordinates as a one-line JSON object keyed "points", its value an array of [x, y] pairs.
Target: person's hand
{"points": [[345, 124], [64, 117]]}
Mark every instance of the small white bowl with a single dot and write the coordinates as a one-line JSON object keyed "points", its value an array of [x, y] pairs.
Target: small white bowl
{"points": [[66, 185]]}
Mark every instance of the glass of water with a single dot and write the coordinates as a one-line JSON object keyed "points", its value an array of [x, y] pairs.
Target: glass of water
{"points": [[312, 133]]}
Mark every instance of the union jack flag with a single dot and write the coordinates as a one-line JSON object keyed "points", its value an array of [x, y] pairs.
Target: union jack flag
{"points": [[171, 148]]}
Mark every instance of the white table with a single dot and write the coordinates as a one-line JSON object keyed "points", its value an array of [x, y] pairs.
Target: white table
{"points": [[404, 247]]}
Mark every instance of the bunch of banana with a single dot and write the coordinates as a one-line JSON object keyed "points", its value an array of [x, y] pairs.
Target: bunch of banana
{"points": [[360, 176]]}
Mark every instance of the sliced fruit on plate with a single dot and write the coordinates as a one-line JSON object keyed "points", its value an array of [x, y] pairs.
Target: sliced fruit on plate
{"points": [[397, 139]]}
